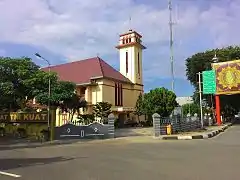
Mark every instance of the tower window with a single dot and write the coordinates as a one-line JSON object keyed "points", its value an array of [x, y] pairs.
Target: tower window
{"points": [[126, 40], [129, 39], [116, 94], [126, 62], [121, 97], [138, 64]]}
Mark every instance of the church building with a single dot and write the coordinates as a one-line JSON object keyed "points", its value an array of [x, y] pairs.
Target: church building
{"points": [[97, 81]]}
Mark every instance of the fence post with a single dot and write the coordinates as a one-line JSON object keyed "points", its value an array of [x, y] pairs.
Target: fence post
{"points": [[195, 121], [111, 128], [52, 124], [209, 119], [188, 117], [205, 118], [156, 124]]}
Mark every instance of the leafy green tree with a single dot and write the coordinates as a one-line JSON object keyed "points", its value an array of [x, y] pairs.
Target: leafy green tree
{"points": [[192, 108], [159, 100], [63, 96], [202, 61], [139, 108], [20, 81], [73, 105], [61, 92], [102, 110]]}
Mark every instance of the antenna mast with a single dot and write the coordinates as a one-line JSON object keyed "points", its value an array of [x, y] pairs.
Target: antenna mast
{"points": [[130, 23], [171, 42]]}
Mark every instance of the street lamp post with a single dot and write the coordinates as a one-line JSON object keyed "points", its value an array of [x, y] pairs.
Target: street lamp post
{"points": [[49, 86]]}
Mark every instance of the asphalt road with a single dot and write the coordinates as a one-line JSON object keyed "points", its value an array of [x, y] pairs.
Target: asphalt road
{"points": [[216, 158]]}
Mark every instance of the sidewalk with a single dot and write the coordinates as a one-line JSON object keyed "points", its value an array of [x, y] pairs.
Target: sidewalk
{"points": [[137, 135], [209, 133]]}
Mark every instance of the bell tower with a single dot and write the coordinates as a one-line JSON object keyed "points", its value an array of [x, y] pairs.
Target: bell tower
{"points": [[130, 50]]}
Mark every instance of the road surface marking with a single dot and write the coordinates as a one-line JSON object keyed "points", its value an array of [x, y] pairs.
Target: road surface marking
{"points": [[9, 174]]}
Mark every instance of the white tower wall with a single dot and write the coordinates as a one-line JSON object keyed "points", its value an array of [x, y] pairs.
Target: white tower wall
{"points": [[134, 49]]}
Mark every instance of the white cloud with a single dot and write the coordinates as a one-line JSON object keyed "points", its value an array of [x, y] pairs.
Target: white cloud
{"points": [[79, 29], [67, 26]]}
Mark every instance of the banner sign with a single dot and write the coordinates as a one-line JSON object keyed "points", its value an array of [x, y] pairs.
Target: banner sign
{"points": [[15, 117], [227, 77]]}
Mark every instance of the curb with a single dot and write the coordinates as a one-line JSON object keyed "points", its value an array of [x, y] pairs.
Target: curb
{"points": [[199, 136]]}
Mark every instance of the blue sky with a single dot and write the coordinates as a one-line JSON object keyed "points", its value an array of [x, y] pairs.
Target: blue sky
{"points": [[63, 31]]}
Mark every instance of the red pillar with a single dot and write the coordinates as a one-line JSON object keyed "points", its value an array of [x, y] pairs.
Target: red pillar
{"points": [[218, 111]]}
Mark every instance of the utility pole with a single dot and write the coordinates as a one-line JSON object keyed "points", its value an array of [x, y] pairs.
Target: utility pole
{"points": [[171, 42], [49, 90], [200, 97]]}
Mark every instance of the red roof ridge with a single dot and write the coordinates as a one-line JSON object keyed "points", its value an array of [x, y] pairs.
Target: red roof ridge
{"points": [[72, 62], [100, 64]]}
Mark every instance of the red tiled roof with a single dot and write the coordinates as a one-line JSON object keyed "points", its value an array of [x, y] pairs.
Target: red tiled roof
{"points": [[81, 72]]}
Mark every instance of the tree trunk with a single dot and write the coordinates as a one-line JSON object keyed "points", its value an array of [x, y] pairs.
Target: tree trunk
{"points": [[71, 114]]}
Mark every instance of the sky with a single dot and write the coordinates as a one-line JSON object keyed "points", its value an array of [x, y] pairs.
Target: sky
{"points": [[64, 31]]}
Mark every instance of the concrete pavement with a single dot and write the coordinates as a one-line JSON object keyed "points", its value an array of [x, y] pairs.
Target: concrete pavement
{"points": [[209, 133], [216, 158]]}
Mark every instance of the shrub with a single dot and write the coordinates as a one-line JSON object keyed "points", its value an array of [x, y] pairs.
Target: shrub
{"points": [[22, 132], [86, 118], [2, 131]]}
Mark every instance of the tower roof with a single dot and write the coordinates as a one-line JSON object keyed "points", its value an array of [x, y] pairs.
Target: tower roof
{"points": [[83, 71], [130, 32], [131, 38]]}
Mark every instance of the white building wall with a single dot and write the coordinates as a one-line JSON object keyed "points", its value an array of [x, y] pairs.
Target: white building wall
{"points": [[184, 100]]}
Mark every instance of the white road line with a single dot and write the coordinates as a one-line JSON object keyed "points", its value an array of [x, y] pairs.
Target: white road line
{"points": [[10, 174]]}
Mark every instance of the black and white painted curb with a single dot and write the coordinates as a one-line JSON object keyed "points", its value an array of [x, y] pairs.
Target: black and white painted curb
{"points": [[199, 136]]}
